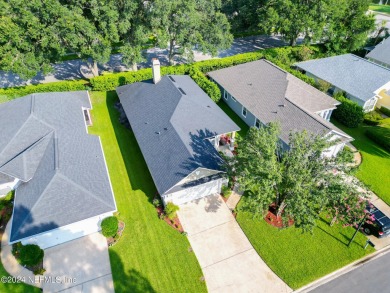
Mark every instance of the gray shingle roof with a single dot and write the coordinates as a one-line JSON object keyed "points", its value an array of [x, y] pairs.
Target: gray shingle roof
{"points": [[271, 94], [350, 73], [381, 52], [45, 142], [171, 127]]}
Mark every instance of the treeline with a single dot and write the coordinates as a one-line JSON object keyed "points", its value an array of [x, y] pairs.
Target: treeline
{"points": [[36, 33]]}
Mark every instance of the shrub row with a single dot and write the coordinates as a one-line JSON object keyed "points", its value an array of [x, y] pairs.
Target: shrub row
{"points": [[385, 111], [380, 135], [372, 118], [283, 57], [62, 86], [348, 112], [211, 88]]}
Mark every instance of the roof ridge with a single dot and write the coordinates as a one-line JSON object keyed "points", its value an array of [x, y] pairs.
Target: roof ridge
{"points": [[63, 176], [318, 119], [36, 202]]}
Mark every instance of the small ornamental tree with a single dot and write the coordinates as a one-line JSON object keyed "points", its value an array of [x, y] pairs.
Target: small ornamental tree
{"points": [[109, 226], [31, 254], [297, 181]]}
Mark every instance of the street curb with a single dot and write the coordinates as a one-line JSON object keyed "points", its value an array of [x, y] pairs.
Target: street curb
{"points": [[343, 270]]}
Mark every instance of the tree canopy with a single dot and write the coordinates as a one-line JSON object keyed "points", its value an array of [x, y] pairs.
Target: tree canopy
{"points": [[342, 25], [185, 24], [300, 180]]}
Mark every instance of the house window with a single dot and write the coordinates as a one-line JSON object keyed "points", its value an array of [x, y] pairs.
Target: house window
{"points": [[244, 111], [257, 123], [225, 95]]}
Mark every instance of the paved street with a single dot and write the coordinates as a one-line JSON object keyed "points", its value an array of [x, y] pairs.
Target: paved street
{"points": [[372, 276], [77, 69]]}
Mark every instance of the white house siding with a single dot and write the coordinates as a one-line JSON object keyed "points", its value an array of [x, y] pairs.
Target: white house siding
{"points": [[8, 186], [67, 233], [192, 193]]}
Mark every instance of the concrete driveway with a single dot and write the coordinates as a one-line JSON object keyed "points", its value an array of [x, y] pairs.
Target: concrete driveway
{"points": [[227, 258], [78, 266]]}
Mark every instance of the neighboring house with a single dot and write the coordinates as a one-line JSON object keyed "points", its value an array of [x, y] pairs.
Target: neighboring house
{"points": [[260, 93], [363, 81], [178, 129], [63, 190], [381, 53]]}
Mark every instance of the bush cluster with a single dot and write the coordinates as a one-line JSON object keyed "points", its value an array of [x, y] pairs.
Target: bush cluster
{"points": [[226, 191], [348, 112], [372, 118], [283, 57], [61, 86], [380, 135], [109, 226], [170, 210], [30, 254], [385, 111]]}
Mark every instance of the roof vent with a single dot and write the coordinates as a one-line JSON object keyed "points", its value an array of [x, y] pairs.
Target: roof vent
{"points": [[157, 132], [208, 106], [146, 122], [249, 83], [165, 128], [171, 78], [181, 90]]}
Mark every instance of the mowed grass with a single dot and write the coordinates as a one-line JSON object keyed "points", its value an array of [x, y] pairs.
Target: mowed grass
{"points": [[151, 256], [375, 168], [380, 8], [300, 258]]}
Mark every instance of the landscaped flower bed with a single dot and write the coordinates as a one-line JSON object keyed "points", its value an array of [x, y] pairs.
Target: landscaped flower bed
{"points": [[174, 221]]}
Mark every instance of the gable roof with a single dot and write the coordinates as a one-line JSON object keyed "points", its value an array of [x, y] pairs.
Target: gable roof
{"points": [[46, 145], [381, 52], [171, 121], [350, 73], [271, 94]]}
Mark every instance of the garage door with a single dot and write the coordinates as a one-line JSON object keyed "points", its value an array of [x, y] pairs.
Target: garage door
{"points": [[67, 233], [189, 194]]}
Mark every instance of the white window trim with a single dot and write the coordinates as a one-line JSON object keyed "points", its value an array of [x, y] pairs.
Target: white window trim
{"points": [[233, 98], [257, 120], [225, 95], [242, 111]]}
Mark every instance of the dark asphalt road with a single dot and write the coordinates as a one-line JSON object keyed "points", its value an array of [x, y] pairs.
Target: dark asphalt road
{"points": [[373, 276]]}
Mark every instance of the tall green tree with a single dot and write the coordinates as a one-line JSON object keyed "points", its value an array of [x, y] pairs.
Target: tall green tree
{"points": [[298, 180], [292, 18], [182, 25], [95, 40], [134, 30], [31, 35], [347, 25]]}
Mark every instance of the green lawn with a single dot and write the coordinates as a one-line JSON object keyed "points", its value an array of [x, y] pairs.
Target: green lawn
{"points": [[380, 8], [375, 168], [151, 256], [295, 257], [300, 258]]}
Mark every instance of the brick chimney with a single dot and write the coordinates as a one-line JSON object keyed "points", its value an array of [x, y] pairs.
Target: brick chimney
{"points": [[156, 70]]}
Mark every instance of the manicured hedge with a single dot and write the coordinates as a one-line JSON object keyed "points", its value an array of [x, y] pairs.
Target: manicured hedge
{"points": [[385, 111], [211, 88], [61, 86], [348, 112], [283, 57], [380, 135], [372, 118], [109, 226], [31, 254]]}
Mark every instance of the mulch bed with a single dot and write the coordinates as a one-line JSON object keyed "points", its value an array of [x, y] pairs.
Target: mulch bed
{"points": [[111, 240], [174, 223], [272, 218]]}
